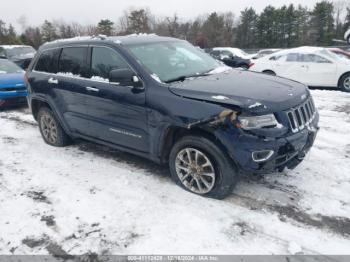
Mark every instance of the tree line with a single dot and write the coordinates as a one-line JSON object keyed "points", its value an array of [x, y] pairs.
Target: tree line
{"points": [[286, 26]]}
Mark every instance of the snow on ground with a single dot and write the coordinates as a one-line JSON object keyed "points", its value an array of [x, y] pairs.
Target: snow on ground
{"points": [[87, 198]]}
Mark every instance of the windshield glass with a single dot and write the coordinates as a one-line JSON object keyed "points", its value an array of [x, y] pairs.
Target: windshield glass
{"points": [[173, 59], [7, 67], [19, 51]]}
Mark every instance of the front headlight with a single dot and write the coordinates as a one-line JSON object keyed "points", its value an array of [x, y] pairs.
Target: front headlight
{"points": [[256, 122]]}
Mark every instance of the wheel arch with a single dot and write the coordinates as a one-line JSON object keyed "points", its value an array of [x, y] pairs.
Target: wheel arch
{"points": [[174, 133], [269, 71], [341, 76], [37, 102]]}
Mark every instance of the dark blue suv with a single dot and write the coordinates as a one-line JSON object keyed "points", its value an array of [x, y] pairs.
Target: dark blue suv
{"points": [[163, 99]]}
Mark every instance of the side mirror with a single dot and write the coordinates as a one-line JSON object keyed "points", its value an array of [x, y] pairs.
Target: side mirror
{"points": [[125, 77]]}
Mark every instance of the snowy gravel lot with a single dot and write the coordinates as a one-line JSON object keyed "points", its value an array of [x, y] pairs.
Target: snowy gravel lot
{"points": [[90, 199]]}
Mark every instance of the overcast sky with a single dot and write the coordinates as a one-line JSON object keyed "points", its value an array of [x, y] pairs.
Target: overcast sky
{"points": [[91, 11]]}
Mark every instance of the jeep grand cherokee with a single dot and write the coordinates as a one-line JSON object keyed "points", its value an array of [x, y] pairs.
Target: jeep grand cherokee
{"points": [[165, 100]]}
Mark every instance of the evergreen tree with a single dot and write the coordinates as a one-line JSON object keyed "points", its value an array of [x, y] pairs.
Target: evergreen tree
{"points": [[322, 23], [105, 27], [247, 29], [48, 32]]}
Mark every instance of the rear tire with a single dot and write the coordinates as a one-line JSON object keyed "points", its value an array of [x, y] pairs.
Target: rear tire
{"points": [[201, 167], [51, 129], [269, 72], [344, 83], [348, 40]]}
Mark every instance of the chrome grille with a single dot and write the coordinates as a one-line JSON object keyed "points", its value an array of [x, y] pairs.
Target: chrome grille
{"points": [[302, 115]]}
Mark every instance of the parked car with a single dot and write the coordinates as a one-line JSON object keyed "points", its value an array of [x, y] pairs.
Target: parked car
{"points": [[236, 52], [228, 59], [340, 52], [347, 36], [12, 87], [19, 54], [163, 99], [313, 66], [265, 52]]}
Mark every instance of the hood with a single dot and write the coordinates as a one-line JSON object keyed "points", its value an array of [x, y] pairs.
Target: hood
{"points": [[255, 92], [12, 80]]}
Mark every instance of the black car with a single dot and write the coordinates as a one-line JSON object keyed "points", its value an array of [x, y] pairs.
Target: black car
{"points": [[165, 100], [21, 55], [230, 60]]}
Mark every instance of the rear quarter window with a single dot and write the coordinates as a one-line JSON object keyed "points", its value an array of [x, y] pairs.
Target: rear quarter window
{"points": [[48, 61]]}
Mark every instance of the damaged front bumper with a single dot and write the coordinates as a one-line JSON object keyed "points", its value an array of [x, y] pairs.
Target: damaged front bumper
{"points": [[255, 154]]}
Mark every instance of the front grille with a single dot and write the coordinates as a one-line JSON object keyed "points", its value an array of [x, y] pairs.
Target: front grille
{"points": [[302, 115], [12, 89]]}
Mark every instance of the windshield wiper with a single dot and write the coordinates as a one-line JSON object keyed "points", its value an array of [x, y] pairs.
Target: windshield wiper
{"points": [[183, 78]]}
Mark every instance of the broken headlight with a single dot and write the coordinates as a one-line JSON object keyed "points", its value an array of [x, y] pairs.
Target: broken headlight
{"points": [[256, 122]]}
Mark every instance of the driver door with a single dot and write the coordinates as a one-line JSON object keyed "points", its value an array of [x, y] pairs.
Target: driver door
{"points": [[117, 113]]}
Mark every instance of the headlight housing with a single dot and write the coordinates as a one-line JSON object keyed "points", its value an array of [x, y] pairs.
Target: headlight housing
{"points": [[256, 122]]}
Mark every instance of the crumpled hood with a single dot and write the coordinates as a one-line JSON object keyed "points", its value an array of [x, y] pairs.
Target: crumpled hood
{"points": [[12, 80], [255, 92]]}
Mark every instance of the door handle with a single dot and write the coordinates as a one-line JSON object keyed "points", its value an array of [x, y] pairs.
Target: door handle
{"points": [[92, 89], [52, 81]]}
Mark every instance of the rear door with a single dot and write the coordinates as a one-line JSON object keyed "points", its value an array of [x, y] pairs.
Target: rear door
{"points": [[69, 87], [288, 66], [117, 113]]}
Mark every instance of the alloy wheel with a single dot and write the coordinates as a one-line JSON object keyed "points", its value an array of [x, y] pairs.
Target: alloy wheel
{"points": [[49, 128], [195, 170], [346, 83]]}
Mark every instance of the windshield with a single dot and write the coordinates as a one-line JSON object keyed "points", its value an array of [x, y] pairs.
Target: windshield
{"points": [[19, 51], [241, 53], [173, 59], [7, 67]]}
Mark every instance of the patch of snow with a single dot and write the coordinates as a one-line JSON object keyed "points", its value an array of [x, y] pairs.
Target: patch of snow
{"points": [[13, 46], [219, 97], [99, 79], [3, 72], [257, 104], [155, 77], [294, 248], [220, 69]]}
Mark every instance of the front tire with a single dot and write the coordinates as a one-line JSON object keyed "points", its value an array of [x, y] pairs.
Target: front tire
{"points": [[201, 167], [50, 129], [344, 83]]}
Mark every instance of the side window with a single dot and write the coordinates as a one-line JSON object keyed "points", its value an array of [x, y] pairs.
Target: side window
{"points": [[226, 53], [48, 61], [73, 60], [320, 59], [104, 60], [2, 52], [293, 57]]}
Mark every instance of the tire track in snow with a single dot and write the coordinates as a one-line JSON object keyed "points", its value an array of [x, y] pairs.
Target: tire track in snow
{"points": [[288, 212]]}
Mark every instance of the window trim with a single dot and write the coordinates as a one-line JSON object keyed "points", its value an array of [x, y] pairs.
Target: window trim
{"points": [[38, 58], [125, 60], [73, 46], [88, 60]]}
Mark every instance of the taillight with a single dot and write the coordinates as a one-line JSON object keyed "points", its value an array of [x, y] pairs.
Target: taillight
{"points": [[251, 65]]}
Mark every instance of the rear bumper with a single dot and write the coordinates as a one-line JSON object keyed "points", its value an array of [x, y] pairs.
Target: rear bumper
{"points": [[286, 152]]}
